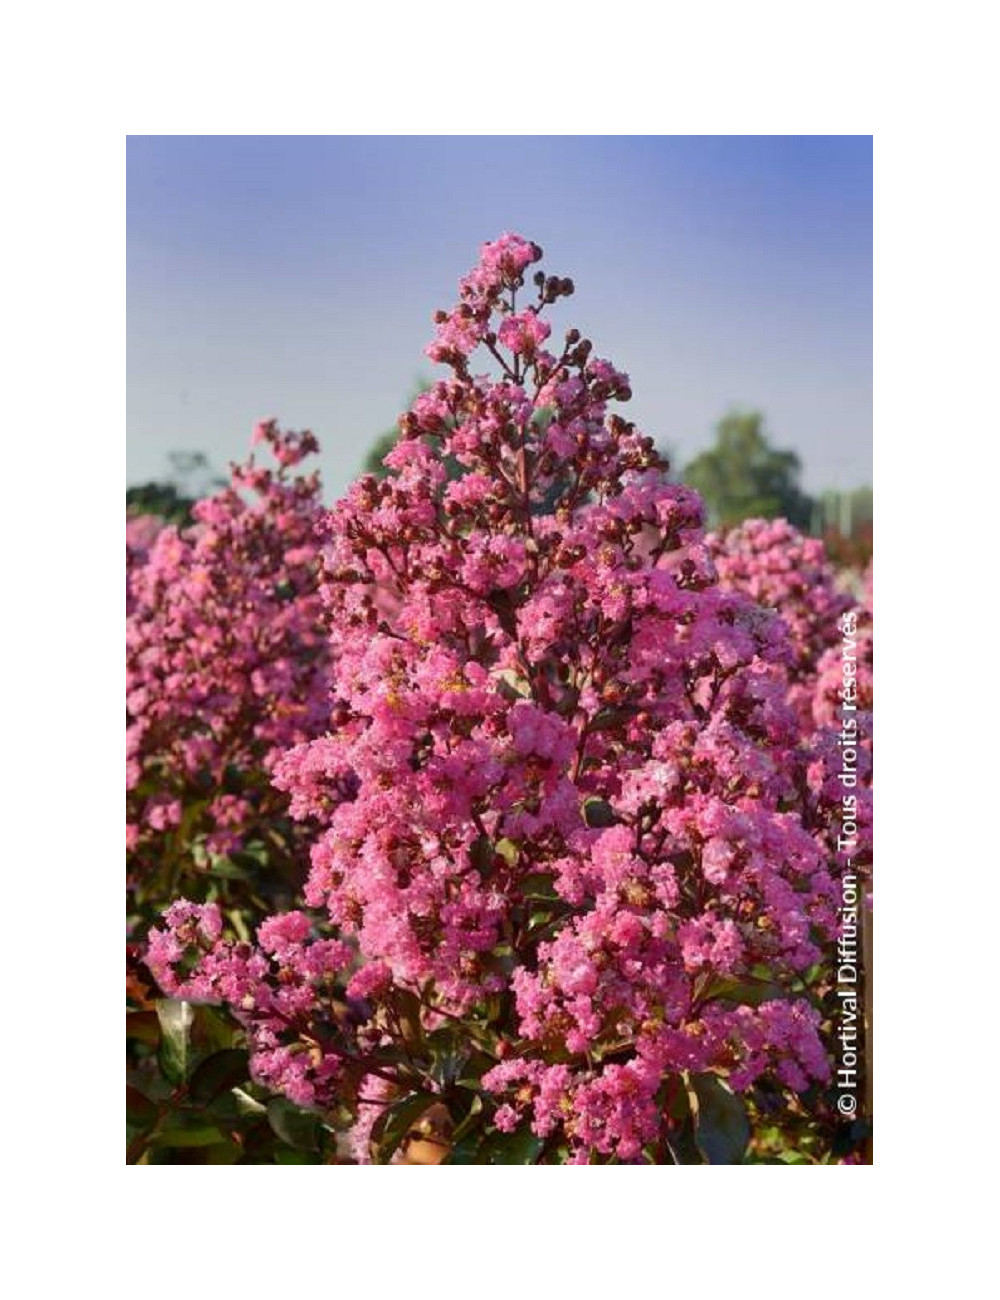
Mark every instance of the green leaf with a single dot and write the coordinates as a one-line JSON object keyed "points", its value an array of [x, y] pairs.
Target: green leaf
{"points": [[223, 1153], [539, 884], [609, 716], [722, 1130], [227, 868], [299, 1128], [284, 1155], [598, 813], [408, 1007], [747, 991], [239, 924], [177, 1133], [469, 1121], [247, 1105], [211, 1032], [474, 1066], [140, 1113], [252, 856], [143, 1026], [682, 1145], [512, 686], [481, 854], [150, 1082], [518, 1148], [219, 1073], [396, 1121], [680, 1138], [176, 1019], [464, 1151]]}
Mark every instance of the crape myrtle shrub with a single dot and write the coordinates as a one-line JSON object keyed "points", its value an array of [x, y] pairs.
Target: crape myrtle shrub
{"points": [[226, 668], [782, 569], [826, 693], [141, 531], [572, 876]]}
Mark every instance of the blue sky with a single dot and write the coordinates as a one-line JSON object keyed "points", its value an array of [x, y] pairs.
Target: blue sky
{"points": [[296, 277]]}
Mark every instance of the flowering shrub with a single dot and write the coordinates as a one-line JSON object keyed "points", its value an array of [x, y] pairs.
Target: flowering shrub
{"points": [[571, 874], [827, 686], [226, 668], [140, 533], [778, 567]]}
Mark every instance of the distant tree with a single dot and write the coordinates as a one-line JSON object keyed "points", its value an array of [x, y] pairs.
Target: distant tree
{"points": [[743, 477], [171, 499], [161, 499]]}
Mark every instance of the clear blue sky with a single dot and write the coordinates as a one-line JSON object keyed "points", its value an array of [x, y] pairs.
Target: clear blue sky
{"points": [[296, 277]]}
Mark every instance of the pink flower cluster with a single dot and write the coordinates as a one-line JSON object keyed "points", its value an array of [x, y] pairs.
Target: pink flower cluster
{"points": [[286, 979], [501, 267], [788, 573], [141, 532], [856, 642], [564, 796], [227, 660], [780, 568]]}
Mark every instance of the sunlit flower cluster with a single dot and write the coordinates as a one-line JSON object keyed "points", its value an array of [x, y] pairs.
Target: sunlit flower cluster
{"points": [[564, 802]]}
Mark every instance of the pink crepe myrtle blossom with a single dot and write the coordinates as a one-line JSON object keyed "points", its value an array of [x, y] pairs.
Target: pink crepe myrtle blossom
{"points": [[226, 663], [564, 803], [847, 670], [141, 532], [524, 334], [782, 569]]}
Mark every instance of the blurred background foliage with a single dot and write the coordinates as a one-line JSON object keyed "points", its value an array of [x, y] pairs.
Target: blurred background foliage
{"points": [[190, 477]]}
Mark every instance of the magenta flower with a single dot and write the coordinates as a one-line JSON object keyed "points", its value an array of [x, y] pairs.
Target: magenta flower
{"points": [[226, 667], [566, 809]]}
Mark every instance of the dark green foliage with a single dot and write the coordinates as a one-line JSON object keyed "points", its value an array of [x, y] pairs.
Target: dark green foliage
{"points": [[743, 477], [189, 1098], [171, 499]]}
